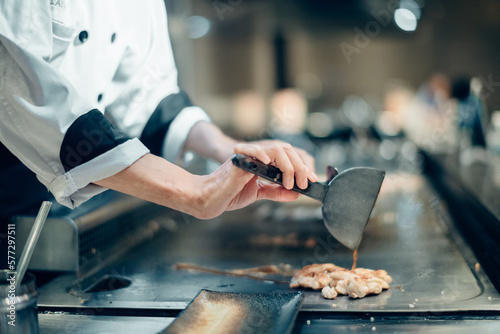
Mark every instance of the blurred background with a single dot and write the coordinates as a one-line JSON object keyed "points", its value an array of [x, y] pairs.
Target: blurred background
{"points": [[365, 71]]}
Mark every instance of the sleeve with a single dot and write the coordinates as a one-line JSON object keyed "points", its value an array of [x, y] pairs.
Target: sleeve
{"points": [[177, 133], [169, 125], [149, 102], [51, 129]]}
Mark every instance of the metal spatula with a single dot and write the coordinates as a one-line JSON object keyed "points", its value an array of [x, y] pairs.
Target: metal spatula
{"points": [[347, 198]]}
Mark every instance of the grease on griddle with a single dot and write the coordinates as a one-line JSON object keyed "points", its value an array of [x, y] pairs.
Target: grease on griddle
{"points": [[257, 273], [290, 240]]}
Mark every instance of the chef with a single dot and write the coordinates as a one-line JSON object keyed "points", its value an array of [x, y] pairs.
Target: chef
{"points": [[89, 100]]}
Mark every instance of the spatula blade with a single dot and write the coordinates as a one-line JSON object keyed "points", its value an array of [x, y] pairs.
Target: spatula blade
{"points": [[349, 201]]}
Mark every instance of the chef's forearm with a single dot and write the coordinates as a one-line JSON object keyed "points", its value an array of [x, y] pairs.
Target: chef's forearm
{"points": [[207, 140], [156, 180]]}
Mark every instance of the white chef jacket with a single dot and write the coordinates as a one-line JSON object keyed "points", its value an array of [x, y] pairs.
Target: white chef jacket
{"points": [[61, 59]]}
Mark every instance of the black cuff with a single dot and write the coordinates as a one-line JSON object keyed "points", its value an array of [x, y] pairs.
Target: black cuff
{"points": [[7, 159], [156, 129], [89, 136]]}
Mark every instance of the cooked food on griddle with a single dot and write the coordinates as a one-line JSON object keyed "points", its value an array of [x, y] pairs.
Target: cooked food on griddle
{"points": [[334, 280]]}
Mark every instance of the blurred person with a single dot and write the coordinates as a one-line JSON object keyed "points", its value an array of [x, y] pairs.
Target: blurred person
{"points": [[431, 119], [470, 114]]}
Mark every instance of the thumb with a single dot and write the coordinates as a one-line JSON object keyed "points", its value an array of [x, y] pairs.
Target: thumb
{"points": [[237, 174]]}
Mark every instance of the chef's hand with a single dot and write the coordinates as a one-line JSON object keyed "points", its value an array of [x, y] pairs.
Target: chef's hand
{"points": [[207, 140], [230, 188], [295, 163]]}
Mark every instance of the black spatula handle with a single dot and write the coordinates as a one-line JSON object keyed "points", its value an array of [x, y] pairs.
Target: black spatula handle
{"points": [[315, 190]]}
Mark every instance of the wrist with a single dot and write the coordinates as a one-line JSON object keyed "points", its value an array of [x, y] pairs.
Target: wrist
{"points": [[203, 191], [182, 192], [215, 191]]}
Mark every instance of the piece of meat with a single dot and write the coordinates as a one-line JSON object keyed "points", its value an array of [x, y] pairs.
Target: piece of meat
{"points": [[329, 292], [334, 280]]}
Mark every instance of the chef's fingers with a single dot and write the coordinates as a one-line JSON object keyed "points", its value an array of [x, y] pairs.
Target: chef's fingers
{"points": [[252, 150], [297, 166], [291, 164], [272, 153], [275, 192], [309, 161], [300, 169], [283, 162]]}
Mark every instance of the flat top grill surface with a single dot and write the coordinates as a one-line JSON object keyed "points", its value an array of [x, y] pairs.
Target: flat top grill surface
{"points": [[409, 235]]}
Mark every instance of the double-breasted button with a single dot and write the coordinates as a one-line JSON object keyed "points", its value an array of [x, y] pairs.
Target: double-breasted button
{"points": [[113, 37], [83, 36], [99, 97]]}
